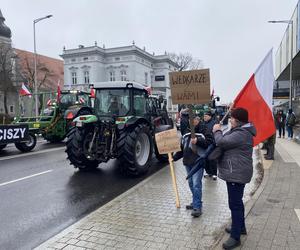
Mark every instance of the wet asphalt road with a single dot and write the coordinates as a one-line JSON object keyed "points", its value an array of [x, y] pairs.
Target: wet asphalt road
{"points": [[41, 194]]}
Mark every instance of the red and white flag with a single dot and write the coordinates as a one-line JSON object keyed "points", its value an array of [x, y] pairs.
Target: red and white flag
{"points": [[93, 95], [24, 91], [256, 97], [58, 92]]}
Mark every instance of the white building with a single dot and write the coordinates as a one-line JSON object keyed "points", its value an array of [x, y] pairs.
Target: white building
{"points": [[87, 65]]}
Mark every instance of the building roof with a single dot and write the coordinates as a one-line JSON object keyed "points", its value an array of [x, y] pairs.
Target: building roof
{"points": [[4, 30], [82, 50], [118, 84], [48, 68]]}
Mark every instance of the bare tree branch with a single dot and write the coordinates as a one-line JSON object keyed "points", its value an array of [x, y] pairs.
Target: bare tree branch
{"points": [[7, 68], [186, 61]]}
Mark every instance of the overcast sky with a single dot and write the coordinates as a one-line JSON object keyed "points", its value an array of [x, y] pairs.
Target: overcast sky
{"points": [[231, 37]]}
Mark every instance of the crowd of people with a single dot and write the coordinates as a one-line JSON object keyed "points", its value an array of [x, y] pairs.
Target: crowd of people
{"points": [[232, 161], [283, 122]]}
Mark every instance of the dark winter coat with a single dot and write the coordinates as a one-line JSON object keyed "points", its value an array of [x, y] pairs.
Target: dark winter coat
{"points": [[280, 119], [204, 139], [184, 123], [209, 124], [237, 144]]}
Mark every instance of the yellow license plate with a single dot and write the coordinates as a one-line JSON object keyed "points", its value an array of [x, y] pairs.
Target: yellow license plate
{"points": [[36, 125]]}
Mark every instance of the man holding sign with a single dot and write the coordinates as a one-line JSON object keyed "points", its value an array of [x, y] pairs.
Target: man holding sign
{"points": [[192, 157], [193, 87]]}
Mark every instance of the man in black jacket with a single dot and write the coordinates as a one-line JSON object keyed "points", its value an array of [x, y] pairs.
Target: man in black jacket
{"points": [[191, 158], [210, 166]]}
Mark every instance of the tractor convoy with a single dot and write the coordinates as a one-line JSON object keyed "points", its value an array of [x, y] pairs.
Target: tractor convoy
{"points": [[53, 123], [122, 125]]}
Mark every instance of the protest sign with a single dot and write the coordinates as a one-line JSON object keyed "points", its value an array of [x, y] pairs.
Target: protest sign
{"points": [[190, 87], [168, 142]]}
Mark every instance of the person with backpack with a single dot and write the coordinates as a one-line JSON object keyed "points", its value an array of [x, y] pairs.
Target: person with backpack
{"points": [[290, 123]]}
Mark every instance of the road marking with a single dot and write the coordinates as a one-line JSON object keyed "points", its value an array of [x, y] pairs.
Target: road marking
{"points": [[297, 211], [26, 177], [31, 153]]}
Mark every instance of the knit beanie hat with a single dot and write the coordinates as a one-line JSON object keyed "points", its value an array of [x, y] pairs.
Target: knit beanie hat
{"points": [[240, 114]]}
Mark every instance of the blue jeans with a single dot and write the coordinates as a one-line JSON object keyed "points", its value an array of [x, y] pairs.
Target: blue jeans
{"points": [[290, 131], [195, 184], [236, 205]]}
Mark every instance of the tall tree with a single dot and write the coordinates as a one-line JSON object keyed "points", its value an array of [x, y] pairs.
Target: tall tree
{"points": [[186, 61], [28, 74], [7, 72]]}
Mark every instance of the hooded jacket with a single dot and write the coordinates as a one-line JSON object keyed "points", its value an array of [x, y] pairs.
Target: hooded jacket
{"points": [[204, 140], [236, 164]]}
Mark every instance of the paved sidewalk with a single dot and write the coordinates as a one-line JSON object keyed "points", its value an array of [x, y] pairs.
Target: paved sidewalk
{"points": [[145, 217], [274, 220]]}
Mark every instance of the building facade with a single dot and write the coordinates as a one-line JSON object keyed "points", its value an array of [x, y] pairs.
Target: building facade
{"points": [[289, 48], [6, 93], [87, 65], [49, 72]]}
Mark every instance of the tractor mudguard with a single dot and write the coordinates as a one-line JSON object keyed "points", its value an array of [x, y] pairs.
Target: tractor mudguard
{"points": [[75, 111], [135, 120], [86, 119]]}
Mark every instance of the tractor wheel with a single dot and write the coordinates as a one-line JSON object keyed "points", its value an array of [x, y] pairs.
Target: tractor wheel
{"points": [[27, 146], [135, 150], [2, 146], [77, 146]]}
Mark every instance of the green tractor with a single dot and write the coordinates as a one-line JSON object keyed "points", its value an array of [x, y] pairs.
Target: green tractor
{"points": [[56, 119], [122, 125]]}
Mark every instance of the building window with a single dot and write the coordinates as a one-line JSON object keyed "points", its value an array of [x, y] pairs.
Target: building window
{"points": [[112, 76], [11, 108], [123, 75], [146, 78], [85, 58], [86, 77], [73, 60], [74, 78]]}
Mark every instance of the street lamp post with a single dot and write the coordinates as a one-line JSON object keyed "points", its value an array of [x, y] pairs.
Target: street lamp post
{"points": [[289, 22], [35, 65]]}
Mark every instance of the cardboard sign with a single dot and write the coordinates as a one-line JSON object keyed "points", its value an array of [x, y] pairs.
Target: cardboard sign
{"points": [[190, 87], [167, 141]]}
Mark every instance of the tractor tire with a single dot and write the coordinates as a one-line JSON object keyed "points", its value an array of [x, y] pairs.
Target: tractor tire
{"points": [[2, 146], [135, 150], [27, 146], [76, 148]]}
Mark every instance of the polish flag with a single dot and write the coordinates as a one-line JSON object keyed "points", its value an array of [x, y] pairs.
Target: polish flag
{"points": [[24, 91], [212, 93], [93, 95], [256, 97]]}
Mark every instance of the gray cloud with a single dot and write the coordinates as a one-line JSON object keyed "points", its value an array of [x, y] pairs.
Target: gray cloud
{"points": [[231, 37]]}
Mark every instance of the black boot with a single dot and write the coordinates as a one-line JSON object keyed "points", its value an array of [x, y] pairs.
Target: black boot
{"points": [[231, 243], [196, 212]]}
